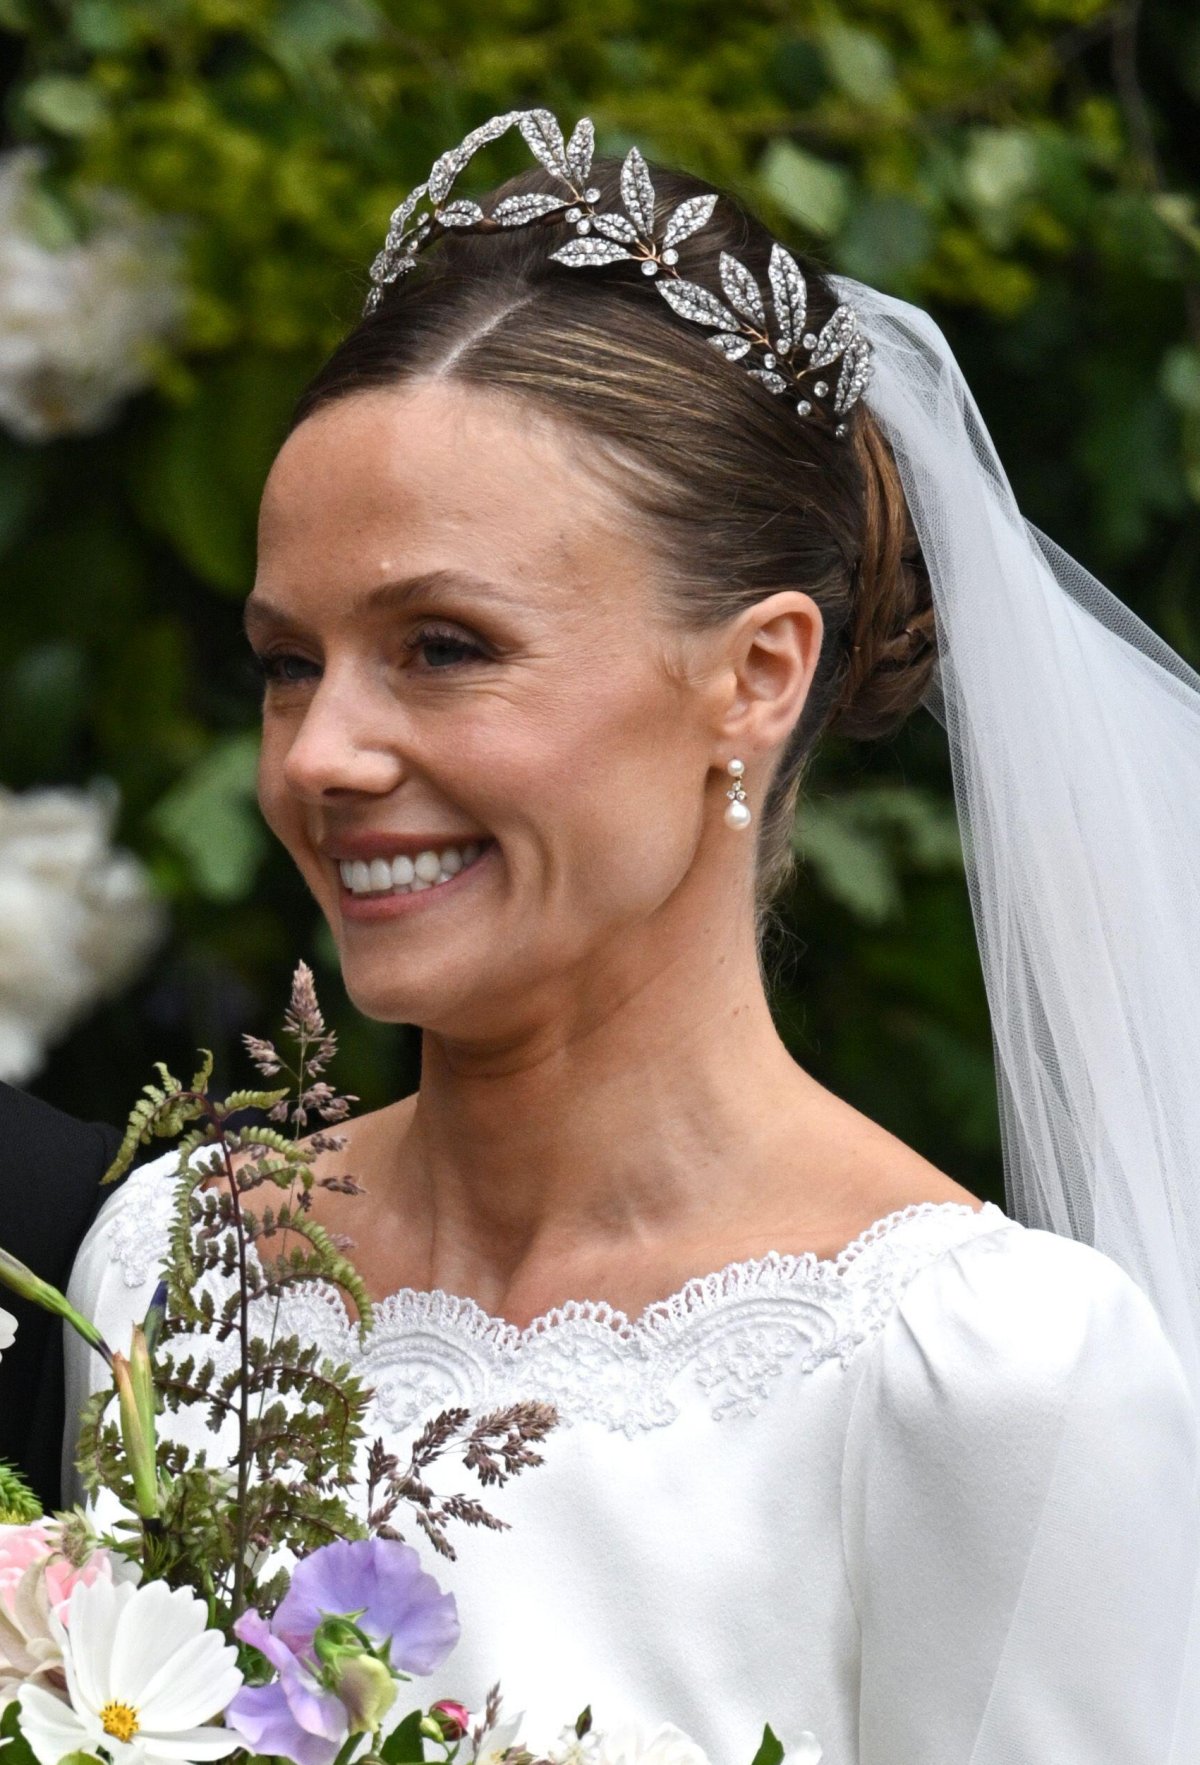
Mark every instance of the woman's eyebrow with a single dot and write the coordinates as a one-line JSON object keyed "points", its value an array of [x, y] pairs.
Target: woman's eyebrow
{"points": [[261, 613]]}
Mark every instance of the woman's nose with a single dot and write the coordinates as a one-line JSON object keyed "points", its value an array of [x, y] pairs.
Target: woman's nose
{"points": [[337, 749]]}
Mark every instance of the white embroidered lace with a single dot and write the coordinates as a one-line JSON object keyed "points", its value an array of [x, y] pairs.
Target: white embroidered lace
{"points": [[732, 1332]]}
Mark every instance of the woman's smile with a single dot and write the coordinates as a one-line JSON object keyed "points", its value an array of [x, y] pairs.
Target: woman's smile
{"points": [[407, 878]]}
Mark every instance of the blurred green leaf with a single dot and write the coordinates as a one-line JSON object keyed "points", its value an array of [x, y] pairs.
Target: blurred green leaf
{"points": [[885, 238], [66, 106], [1181, 376], [19, 477], [859, 845], [199, 472], [807, 189], [860, 62], [211, 818], [45, 697]]}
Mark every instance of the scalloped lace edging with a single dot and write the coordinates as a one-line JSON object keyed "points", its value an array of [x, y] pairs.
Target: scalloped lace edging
{"points": [[727, 1336]]}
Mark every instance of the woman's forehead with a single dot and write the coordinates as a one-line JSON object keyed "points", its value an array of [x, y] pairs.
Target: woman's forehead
{"points": [[444, 447], [381, 485]]}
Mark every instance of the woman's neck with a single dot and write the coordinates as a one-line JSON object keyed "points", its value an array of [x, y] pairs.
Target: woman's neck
{"points": [[658, 1117]]}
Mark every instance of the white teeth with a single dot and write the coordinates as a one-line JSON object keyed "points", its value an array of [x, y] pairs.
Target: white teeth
{"points": [[404, 875]]}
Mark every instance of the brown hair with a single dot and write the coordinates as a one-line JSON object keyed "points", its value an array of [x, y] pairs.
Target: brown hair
{"points": [[781, 502]]}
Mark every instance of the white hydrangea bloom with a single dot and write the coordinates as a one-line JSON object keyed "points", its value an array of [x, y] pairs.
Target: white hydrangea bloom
{"points": [[77, 919], [8, 1329], [76, 323]]}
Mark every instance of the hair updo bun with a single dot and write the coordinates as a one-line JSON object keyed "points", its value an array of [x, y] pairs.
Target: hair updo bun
{"points": [[892, 647], [778, 502]]}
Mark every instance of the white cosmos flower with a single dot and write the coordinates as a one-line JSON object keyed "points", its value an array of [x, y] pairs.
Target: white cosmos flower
{"points": [[144, 1678], [634, 1744], [8, 1330], [495, 1742]]}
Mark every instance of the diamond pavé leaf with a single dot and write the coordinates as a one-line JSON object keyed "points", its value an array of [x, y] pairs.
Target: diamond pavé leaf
{"points": [[580, 252], [833, 337], [741, 290], [461, 214], [688, 218], [515, 210], [731, 346], [544, 139], [691, 301], [789, 294], [580, 148], [637, 192], [615, 226]]}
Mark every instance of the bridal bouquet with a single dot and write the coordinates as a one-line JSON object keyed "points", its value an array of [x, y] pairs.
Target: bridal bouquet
{"points": [[238, 1601]]}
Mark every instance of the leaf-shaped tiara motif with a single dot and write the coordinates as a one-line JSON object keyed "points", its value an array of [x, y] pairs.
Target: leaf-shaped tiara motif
{"points": [[778, 348]]}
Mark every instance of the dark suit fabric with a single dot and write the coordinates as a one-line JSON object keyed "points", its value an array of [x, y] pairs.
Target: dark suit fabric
{"points": [[50, 1171]]}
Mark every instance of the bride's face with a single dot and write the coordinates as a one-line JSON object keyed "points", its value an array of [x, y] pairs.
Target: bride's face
{"points": [[486, 744]]}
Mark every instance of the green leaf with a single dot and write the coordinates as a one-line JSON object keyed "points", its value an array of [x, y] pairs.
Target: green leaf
{"points": [[404, 1745], [199, 472], [65, 106], [14, 1748], [211, 819], [18, 1504], [852, 863], [20, 475], [807, 189], [770, 1750], [861, 64], [885, 237], [1179, 376]]}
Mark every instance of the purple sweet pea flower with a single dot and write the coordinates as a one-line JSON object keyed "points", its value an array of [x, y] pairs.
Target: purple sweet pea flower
{"points": [[377, 1582], [385, 1582]]}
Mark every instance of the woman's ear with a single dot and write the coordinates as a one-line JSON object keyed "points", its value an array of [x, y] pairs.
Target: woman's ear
{"points": [[770, 657]]}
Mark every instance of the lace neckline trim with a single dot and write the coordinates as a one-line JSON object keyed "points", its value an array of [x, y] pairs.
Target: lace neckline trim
{"points": [[726, 1337], [768, 1273], [466, 1317]]}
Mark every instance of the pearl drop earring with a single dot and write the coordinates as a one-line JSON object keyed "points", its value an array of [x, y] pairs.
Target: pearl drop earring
{"points": [[738, 812]]}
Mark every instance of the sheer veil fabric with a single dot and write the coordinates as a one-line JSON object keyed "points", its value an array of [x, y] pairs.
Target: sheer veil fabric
{"points": [[1074, 735]]}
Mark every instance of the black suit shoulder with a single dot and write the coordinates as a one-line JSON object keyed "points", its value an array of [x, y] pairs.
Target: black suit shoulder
{"points": [[50, 1171]]}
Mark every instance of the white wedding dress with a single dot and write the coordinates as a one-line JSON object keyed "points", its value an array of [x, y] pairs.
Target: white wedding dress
{"points": [[798, 1491]]}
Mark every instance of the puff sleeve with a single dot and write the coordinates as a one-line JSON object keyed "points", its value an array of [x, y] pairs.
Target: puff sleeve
{"points": [[1021, 1514]]}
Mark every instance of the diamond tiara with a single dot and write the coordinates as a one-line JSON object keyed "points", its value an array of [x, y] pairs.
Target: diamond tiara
{"points": [[781, 352]]}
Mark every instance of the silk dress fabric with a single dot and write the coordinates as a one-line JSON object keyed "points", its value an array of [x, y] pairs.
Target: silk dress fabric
{"points": [[798, 1491]]}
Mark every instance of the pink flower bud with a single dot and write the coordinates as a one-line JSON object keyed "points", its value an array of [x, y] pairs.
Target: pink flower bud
{"points": [[453, 1719]]}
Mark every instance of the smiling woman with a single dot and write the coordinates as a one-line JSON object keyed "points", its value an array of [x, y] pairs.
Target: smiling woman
{"points": [[540, 573]]}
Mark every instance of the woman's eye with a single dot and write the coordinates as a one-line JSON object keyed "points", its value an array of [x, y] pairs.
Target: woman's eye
{"points": [[280, 668], [443, 649]]}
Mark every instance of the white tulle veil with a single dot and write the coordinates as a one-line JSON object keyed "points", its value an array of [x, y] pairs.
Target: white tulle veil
{"points": [[1074, 735]]}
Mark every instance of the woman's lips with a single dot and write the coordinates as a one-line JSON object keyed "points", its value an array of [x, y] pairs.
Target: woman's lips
{"points": [[414, 896]]}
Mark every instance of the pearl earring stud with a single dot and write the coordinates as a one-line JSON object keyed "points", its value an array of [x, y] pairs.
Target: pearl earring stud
{"points": [[738, 813]]}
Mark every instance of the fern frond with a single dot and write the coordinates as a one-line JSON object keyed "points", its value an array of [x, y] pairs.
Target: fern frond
{"points": [[252, 1100], [203, 1072]]}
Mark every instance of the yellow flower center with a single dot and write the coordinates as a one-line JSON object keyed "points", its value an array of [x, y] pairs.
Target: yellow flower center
{"points": [[120, 1720]]}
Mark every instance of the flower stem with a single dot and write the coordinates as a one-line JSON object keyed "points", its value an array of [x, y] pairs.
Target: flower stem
{"points": [[241, 1536]]}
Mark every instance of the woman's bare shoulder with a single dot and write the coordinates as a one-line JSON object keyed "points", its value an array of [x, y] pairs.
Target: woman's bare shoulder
{"points": [[858, 1173]]}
